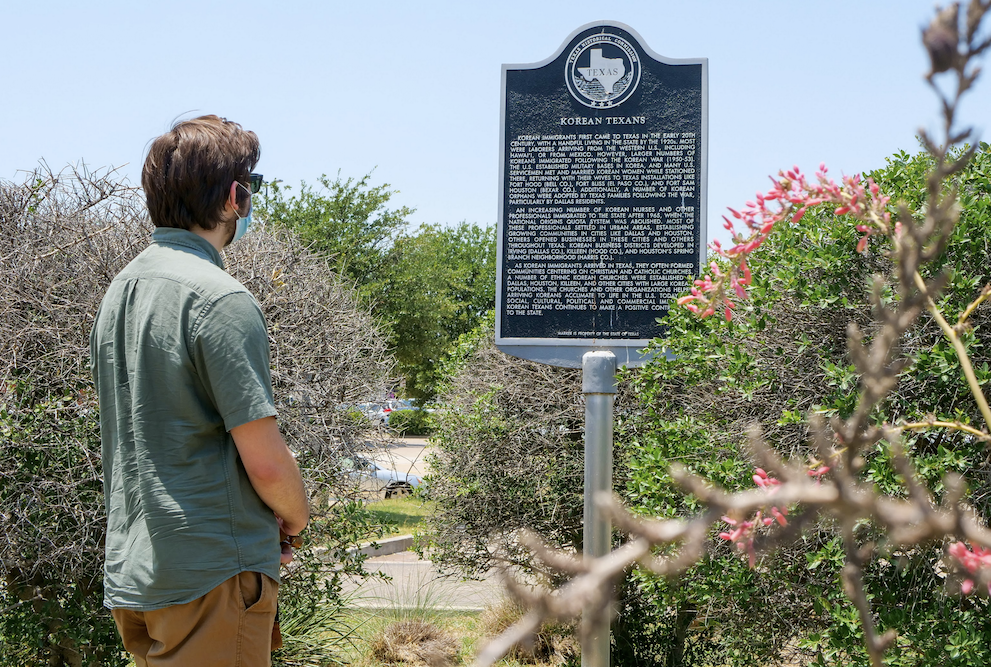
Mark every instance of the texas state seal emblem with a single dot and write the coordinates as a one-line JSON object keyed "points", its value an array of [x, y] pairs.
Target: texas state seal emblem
{"points": [[602, 71]]}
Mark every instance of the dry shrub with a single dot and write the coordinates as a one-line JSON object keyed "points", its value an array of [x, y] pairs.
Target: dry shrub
{"points": [[554, 643], [509, 455], [415, 642], [63, 237]]}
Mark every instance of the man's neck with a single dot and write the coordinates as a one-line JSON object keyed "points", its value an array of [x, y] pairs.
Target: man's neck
{"points": [[217, 237]]}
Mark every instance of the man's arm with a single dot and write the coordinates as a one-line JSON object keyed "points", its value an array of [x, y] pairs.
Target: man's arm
{"points": [[273, 471]]}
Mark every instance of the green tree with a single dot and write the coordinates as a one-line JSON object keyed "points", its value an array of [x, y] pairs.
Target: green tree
{"points": [[436, 284], [345, 219], [427, 287]]}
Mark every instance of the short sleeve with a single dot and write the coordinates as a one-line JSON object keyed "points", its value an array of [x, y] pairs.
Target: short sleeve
{"points": [[231, 355]]}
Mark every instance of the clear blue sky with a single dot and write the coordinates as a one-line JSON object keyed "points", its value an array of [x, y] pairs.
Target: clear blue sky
{"points": [[411, 89]]}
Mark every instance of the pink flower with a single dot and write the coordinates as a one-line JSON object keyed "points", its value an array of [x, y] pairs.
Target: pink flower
{"points": [[742, 536], [742, 533], [765, 481], [747, 278], [794, 194], [972, 561]]}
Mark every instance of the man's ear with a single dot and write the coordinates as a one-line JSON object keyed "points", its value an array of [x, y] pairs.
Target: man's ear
{"points": [[232, 198]]}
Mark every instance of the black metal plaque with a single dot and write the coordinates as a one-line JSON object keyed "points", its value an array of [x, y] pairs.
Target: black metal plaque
{"points": [[603, 195]]}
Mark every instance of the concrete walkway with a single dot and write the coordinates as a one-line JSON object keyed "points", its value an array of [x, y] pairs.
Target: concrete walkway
{"points": [[416, 583]]}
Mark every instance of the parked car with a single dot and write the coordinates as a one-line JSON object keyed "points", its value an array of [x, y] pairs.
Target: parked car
{"points": [[375, 412], [375, 479], [395, 405], [379, 412]]}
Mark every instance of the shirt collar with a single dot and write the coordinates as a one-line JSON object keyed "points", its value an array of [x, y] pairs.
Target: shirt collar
{"points": [[183, 239]]}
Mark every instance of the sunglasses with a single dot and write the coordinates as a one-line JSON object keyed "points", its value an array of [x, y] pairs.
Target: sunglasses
{"points": [[255, 181]]}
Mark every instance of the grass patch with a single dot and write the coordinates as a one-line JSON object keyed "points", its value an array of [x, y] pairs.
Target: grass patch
{"points": [[382, 634], [410, 627], [468, 627], [555, 643], [372, 624], [416, 641], [400, 516]]}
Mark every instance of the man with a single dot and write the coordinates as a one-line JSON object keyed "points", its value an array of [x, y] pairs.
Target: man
{"points": [[197, 478]]}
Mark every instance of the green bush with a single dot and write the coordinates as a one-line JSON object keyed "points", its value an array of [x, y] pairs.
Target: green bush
{"points": [[783, 357], [509, 452], [412, 422], [507, 455]]}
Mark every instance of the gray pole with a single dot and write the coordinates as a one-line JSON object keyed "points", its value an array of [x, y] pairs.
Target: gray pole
{"points": [[599, 388]]}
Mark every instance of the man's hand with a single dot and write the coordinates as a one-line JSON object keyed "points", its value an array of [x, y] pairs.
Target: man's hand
{"points": [[287, 542], [273, 472]]}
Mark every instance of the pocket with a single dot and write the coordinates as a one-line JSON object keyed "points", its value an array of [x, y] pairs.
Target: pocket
{"points": [[250, 584], [258, 592]]}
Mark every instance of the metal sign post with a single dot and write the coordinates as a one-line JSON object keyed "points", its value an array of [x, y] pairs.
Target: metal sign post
{"points": [[602, 221], [599, 388]]}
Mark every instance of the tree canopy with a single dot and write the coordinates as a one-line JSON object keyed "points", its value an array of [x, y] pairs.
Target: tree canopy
{"points": [[436, 284], [427, 286], [348, 220]]}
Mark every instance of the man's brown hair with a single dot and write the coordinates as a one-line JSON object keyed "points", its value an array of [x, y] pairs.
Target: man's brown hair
{"points": [[188, 172]]}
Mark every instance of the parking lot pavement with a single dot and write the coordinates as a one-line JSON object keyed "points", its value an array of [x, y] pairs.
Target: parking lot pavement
{"points": [[414, 441], [416, 584], [409, 456]]}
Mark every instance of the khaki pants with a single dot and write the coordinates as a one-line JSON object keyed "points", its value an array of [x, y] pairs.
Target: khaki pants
{"points": [[231, 626]]}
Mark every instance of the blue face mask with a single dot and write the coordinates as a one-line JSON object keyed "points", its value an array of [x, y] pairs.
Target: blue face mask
{"points": [[242, 223]]}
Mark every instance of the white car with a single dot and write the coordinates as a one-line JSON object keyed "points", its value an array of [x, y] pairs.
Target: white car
{"points": [[376, 479], [374, 412]]}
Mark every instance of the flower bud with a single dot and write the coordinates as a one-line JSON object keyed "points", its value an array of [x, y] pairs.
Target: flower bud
{"points": [[941, 38]]}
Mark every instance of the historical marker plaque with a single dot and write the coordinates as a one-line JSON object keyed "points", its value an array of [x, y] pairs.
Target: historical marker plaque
{"points": [[603, 195]]}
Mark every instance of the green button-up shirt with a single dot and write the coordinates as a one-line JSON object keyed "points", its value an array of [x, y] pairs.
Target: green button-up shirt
{"points": [[180, 356]]}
